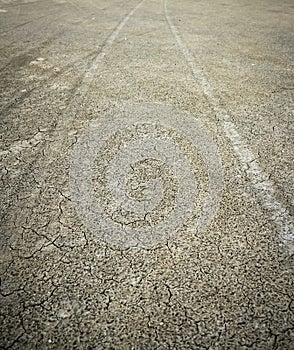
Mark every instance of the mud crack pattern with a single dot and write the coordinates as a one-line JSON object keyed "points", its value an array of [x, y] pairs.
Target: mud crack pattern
{"points": [[141, 173]]}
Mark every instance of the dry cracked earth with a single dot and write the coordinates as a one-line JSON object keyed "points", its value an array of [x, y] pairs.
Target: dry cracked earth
{"points": [[146, 174]]}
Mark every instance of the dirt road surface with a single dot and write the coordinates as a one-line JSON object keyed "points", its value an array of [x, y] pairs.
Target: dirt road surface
{"points": [[146, 174]]}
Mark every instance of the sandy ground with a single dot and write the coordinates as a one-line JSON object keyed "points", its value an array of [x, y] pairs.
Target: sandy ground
{"points": [[146, 174]]}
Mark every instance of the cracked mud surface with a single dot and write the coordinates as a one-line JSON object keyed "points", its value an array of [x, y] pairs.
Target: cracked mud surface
{"points": [[65, 283]]}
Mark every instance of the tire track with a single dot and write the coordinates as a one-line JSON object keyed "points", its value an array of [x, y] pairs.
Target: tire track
{"points": [[88, 78], [260, 183], [18, 98], [73, 106]]}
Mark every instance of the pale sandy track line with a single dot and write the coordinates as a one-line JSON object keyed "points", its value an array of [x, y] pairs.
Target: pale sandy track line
{"points": [[259, 179], [88, 78], [19, 97], [75, 104], [81, 91]]}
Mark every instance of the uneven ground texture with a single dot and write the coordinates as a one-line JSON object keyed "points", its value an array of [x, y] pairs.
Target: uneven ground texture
{"points": [[146, 174]]}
